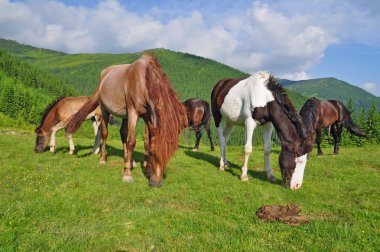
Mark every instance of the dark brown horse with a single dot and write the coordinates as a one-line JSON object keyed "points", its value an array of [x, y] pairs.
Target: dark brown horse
{"points": [[130, 91], [318, 114], [261, 100], [198, 116]]}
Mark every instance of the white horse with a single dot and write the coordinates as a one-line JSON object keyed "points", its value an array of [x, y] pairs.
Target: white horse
{"points": [[260, 100]]}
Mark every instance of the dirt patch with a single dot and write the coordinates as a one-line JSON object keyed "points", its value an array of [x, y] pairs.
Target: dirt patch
{"points": [[289, 214]]}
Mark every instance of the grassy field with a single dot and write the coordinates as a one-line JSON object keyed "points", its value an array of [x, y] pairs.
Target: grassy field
{"points": [[59, 202]]}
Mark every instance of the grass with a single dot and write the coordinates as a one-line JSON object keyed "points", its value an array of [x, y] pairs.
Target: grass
{"points": [[70, 203]]}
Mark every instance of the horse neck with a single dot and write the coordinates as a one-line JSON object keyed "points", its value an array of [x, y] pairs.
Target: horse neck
{"points": [[49, 121], [285, 129]]}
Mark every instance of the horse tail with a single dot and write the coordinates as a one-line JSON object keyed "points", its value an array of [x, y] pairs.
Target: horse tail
{"points": [[77, 119], [166, 108], [350, 125]]}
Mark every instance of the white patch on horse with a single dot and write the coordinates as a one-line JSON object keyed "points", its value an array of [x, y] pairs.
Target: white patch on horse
{"points": [[245, 96], [297, 177]]}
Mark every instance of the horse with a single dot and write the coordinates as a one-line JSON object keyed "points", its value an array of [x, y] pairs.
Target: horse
{"points": [[198, 116], [55, 117], [261, 100], [132, 91], [318, 114]]}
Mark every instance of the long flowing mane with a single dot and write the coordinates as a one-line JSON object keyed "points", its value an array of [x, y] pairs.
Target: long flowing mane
{"points": [[47, 110], [309, 112], [171, 114], [282, 98]]}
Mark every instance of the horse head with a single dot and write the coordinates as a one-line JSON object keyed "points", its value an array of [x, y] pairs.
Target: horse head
{"points": [[41, 140]]}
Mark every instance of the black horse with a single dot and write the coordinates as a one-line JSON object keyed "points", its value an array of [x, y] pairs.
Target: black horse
{"points": [[198, 115], [317, 114]]}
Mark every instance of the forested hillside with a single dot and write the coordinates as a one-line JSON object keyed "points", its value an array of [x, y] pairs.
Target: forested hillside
{"points": [[25, 90]]}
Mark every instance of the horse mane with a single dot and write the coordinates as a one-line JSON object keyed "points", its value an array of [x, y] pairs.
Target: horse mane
{"points": [[281, 97], [47, 110], [170, 112], [309, 112]]}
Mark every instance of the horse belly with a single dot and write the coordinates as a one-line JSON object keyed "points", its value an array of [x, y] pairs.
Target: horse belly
{"points": [[233, 111], [113, 101]]}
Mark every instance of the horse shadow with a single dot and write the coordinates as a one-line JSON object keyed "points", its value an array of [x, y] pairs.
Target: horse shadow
{"points": [[111, 152], [234, 169]]}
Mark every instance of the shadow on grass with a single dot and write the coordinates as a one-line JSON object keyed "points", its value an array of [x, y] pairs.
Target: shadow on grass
{"points": [[234, 169], [111, 151]]}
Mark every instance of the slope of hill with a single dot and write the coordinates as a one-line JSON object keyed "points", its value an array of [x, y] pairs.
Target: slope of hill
{"points": [[192, 76], [332, 88]]}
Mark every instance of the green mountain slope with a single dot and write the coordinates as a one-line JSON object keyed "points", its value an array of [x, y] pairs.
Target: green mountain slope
{"points": [[332, 88], [192, 76]]}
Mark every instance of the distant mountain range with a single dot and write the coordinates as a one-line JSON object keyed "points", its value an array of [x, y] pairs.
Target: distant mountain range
{"points": [[332, 88], [191, 75]]}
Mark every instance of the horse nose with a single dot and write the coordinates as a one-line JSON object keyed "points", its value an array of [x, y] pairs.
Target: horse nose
{"points": [[296, 186]]}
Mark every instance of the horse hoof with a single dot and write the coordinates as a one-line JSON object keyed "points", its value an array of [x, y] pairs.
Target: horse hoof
{"points": [[102, 162], [244, 178], [71, 152], [271, 178], [221, 168], [127, 179], [134, 164], [195, 149], [96, 152]]}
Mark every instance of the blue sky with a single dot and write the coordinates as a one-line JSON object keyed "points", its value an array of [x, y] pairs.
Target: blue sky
{"points": [[292, 39]]}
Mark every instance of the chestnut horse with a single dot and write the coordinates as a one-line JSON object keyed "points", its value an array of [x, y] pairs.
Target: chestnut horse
{"points": [[261, 100], [318, 114], [55, 118], [198, 116], [130, 91]]}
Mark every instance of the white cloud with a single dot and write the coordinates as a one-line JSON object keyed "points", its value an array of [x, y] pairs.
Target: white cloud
{"points": [[264, 37], [369, 87]]}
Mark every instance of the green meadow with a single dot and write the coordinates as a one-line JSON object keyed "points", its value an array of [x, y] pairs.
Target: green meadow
{"points": [[58, 202]]}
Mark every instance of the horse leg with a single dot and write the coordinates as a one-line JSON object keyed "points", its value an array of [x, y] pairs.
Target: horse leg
{"points": [[130, 145], [104, 126], [54, 130], [97, 131], [71, 143], [147, 172], [223, 139], [318, 140], [198, 135], [267, 134], [250, 126], [335, 136], [52, 141], [339, 128], [208, 130]]}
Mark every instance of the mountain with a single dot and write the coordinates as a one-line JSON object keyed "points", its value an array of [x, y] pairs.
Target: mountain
{"points": [[332, 88], [191, 75]]}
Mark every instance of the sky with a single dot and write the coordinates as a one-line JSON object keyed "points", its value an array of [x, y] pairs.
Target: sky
{"points": [[290, 38]]}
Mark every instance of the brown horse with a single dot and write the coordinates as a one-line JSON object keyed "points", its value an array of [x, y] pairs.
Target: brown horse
{"points": [[55, 118], [260, 100], [130, 91], [198, 116], [317, 114]]}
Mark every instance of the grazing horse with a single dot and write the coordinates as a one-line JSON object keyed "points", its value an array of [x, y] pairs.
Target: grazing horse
{"points": [[317, 114], [260, 100], [55, 117], [130, 91], [198, 116]]}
